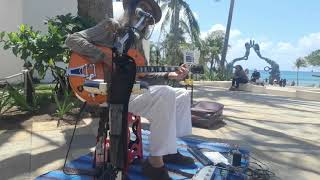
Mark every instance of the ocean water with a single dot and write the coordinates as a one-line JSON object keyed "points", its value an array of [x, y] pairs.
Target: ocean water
{"points": [[305, 78]]}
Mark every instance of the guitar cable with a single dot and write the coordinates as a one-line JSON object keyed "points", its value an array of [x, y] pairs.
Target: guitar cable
{"points": [[74, 171]]}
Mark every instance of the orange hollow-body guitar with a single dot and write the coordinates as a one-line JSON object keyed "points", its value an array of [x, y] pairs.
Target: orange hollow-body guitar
{"points": [[82, 72], [87, 79]]}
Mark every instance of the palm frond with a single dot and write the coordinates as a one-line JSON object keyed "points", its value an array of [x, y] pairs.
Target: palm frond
{"points": [[193, 23], [184, 26], [164, 6], [165, 22]]}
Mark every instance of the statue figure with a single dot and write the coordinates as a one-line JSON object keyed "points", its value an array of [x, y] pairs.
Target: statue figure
{"points": [[273, 70], [245, 57]]}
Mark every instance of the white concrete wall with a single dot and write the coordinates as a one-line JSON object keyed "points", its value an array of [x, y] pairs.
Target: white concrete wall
{"points": [[13, 13], [10, 19], [34, 13]]}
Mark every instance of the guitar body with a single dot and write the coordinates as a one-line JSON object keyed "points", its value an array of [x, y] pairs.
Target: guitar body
{"points": [[80, 70]]}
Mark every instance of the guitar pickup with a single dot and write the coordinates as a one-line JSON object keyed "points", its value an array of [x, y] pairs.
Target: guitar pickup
{"points": [[98, 86]]}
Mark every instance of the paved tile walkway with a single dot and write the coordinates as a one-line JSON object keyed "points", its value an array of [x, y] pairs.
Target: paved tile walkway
{"points": [[281, 132]]}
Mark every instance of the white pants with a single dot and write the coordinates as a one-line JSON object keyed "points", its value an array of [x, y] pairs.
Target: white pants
{"points": [[169, 114]]}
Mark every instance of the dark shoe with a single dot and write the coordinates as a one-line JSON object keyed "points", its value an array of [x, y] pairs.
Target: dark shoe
{"points": [[154, 173], [178, 159]]}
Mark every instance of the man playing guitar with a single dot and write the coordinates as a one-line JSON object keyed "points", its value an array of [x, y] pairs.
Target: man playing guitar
{"points": [[167, 108]]}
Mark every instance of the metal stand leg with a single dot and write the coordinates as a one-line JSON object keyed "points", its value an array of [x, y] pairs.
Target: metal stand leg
{"points": [[191, 89]]}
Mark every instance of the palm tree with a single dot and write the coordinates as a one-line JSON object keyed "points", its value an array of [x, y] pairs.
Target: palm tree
{"points": [[180, 19], [172, 45], [155, 56], [212, 48], [180, 15], [314, 58], [226, 41], [299, 63], [96, 9]]}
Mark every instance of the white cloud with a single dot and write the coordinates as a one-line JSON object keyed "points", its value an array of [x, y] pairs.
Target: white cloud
{"points": [[283, 52], [311, 40], [219, 27], [235, 33], [284, 46]]}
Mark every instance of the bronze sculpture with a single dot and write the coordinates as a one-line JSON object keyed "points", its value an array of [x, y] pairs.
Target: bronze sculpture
{"points": [[274, 71]]}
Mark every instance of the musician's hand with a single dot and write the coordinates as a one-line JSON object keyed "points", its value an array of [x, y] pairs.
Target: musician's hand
{"points": [[180, 74]]}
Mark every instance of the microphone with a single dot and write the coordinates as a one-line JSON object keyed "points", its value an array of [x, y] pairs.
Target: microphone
{"points": [[140, 12]]}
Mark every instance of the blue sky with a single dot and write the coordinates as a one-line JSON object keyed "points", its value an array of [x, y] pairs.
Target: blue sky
{"points": [[279, 20], [284, 29]]}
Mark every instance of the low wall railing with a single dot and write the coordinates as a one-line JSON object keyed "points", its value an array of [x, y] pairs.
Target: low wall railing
{"points": [[28, 84]]}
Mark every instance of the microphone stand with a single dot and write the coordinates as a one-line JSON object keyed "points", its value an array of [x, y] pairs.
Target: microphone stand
{"points": [[120, 45], [119, 90]]}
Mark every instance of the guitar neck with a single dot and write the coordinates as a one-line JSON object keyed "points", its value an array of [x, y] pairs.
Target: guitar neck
{"points": [[156, 69]]}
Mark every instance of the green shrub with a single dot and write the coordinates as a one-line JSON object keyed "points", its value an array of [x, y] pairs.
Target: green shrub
{"points": [[5, 101], [42, 51], [65, 105], [19, 100]]}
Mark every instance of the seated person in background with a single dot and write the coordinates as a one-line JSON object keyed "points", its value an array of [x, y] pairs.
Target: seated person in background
{"points": [[239, 77], [255, 76]]}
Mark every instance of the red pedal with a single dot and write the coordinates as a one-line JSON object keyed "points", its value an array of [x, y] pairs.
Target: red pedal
{"points": [[135, 149]]}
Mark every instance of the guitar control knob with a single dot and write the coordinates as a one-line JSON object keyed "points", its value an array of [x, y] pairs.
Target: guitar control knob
{"points": [[80, 88]]}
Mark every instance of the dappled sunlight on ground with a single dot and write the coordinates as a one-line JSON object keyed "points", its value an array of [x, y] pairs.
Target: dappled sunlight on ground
{"points": [[281, 131]]}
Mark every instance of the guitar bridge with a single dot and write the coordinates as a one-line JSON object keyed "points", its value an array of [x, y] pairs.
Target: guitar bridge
{"points": [[83, 71], [99, 87]]}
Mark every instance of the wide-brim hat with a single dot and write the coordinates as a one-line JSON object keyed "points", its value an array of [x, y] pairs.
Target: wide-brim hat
{"points": [[156, 10]]}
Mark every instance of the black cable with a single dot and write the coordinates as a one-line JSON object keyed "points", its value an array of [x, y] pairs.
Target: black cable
{"points": [[260, 173], [256, 173], [74, 171]]}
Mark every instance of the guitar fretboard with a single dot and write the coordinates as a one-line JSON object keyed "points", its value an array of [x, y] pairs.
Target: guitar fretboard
{"points": [[156, 69]]}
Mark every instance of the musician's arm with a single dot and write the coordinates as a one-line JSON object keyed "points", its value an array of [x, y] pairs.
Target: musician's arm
{"points": [[155, 78], [151, 78], [83, 42]]}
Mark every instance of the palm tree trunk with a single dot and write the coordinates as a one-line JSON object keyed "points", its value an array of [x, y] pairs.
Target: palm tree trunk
{"points": [[96, 9], [226, 40]]}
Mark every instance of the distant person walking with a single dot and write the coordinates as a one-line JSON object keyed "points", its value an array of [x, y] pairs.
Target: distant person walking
{"points": [[239, 76]]}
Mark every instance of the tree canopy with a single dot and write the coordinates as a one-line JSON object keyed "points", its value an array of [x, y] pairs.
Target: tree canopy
{"points": [[314, 58]]}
